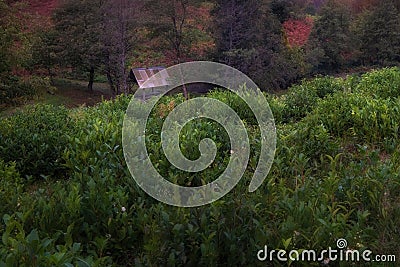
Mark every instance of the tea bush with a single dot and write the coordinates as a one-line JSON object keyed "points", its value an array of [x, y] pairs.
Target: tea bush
{"points": [[301, 99], [333, 177], [21, 249], [312, 139], [11, 187], [16, 91], [35, 139], [358, 115], [278, 108], [383, 83], [94, 146], [236, 103]]}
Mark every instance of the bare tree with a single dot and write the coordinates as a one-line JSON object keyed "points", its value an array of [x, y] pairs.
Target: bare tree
{"points": [[169, 18], [119, 30]]}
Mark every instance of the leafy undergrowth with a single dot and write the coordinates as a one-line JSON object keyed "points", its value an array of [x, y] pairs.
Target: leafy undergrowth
{"points": [[69, 200], [68, 93]]}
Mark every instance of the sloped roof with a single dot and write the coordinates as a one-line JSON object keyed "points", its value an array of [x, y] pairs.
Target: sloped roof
{"points": [[143, 74]]}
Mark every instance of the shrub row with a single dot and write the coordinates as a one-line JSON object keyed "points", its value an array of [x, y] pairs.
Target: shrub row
{"points": [[16, 91], [98, 216], [35, 139]]}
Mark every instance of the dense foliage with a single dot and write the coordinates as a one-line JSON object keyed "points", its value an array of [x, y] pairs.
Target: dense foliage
{"points": [[275, 42], [335, 175], [38, 145]]}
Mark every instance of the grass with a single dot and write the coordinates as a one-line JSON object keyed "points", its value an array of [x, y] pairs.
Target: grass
{"points": [[81, 85], [70, 93]]}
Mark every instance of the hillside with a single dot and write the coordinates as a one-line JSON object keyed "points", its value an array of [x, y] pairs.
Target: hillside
{"points": [[68, 198], [42, 7]]}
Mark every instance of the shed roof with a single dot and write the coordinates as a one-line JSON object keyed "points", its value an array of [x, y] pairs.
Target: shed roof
{"points": [[143, 74]]}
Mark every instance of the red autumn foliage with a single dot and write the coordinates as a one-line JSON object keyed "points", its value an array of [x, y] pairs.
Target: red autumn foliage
{"points": [[42, 7], [298, 31], [200, 18], [35, 14]]}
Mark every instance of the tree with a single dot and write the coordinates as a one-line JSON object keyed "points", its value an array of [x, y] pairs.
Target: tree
{"points": [[15, 53], [45, 50], [169, 19], [294, 9], [281, 8], [10, 35], [359, 6], [248, 36], [118, 38], [6, 37], [329, 40], [99, 35], [78, 24], [238, 31], [378, 33]]}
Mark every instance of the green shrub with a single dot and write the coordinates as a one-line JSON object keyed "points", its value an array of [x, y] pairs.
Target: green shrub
{"points": [[11, 187], [95, 146], [236, 103], [14, 91], [313, 140], [302, 99], [359, 115], [35, 139], [278, 107], [21, 249], [383, 83], [298, 103], [316, 192], [324, 86], [40, 85]]}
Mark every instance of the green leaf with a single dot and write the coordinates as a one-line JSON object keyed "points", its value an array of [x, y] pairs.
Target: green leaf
{"points": [[33, 236], [286, 242]]}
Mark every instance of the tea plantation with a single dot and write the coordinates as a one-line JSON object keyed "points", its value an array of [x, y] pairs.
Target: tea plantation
{"points": [[68, 199]]}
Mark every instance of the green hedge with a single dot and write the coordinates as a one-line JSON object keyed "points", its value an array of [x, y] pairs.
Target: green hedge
{"points": [[318, 189], [35, 139], [382, 83], [16, 91], [359, 115], [302, 99]]}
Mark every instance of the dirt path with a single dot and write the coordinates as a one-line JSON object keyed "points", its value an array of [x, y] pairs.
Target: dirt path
{"points": [[75, 93], [78, 97], [69, 93]]}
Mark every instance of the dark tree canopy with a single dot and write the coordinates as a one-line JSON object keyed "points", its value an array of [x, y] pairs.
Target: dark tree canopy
{"points": [[330, 37], [78, 24], [379, 35], [249, 37]]}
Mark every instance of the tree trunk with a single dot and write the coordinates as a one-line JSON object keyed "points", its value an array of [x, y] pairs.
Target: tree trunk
{"points": [[91, 79], [50, 75], [111, 83], [185, 92], [122, 70]]}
